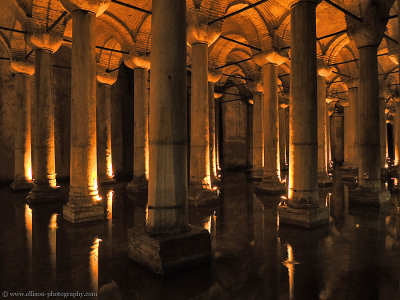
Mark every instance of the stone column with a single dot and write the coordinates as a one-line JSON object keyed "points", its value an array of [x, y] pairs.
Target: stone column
{"points": [[382, 132], [323, 178], [302, 207], [351, 127], [337, 135], [103, 112], [141, 66], [44, 167], [84, 201], [367, 36], [167, 229], [396, 131], [22, 152], [258, 131], [200, 190], [213, 77], [282, 135], [269, 61]]}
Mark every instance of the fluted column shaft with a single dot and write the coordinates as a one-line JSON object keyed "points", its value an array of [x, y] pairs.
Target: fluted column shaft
{"points": [[23, 163], [396, 131], [383, 132], [199, 126], [271, 170], [369, 148], [104, 153], [167, 192], [258, 135], [321, 120], [44, 171], [303, 161], [351, 129]]}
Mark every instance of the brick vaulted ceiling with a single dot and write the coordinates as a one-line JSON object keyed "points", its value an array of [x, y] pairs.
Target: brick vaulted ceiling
{"points": [[263, 26]]}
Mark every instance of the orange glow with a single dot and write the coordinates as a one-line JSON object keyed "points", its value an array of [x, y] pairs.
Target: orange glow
{"points": [[53, 222], [289, 264], [28, 170], [207, 225], [94, 264], [395, 181], [110, 195], [109, 167], [146, 159], [53, 241], [28, 227]]}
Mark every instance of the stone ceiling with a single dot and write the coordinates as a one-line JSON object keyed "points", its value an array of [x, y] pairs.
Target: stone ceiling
{"points": [[262, 27]]}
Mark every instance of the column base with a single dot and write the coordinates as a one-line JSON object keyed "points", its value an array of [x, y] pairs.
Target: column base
{"points": [[166, 254], [43, 195], [303, 217], [199, 196], [21, 185], [349, 174], [87, 212], [137, 185], [367, 197], [256, 175], [106, 181], [324, 180], [270, 187]]}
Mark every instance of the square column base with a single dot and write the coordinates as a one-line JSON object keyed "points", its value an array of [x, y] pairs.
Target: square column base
{"points": [[166, 254], [85, 213], [367, 197], [199, 196], [303, 217], [268, 187], [21, 185], [106, 181], [44, 195], [137, 186], [324, 180]]}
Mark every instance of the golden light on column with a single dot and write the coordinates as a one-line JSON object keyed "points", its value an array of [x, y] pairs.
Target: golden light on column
{"points": [[28, 228], [289, 264], [52, 234], [94, 264], [207, 224]]}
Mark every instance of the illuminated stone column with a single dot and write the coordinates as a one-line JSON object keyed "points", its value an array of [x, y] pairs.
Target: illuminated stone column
{"points": [[22, 151], [83, 204], [44, 167], [141, 66], [258, 130], [323, 72], [383, 131], [350, 127], [200, 190], [103, 112], [213, 77], [269, 61], [396, 131], [167, 230], [302, 207], [282, 134], [367, 36]]}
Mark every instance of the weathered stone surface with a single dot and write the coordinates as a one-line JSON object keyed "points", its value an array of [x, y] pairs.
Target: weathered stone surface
{"points": [[84, 212], [166, 254], [97, 7], [309, 218], [367, 197]]}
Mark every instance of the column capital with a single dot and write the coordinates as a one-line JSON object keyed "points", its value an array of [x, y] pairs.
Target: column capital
{"points": [[202, 34], [133, 61], [46, 40], [105, 77], [323, 69], [22, 66], [292, 3], [97, 7], [256, 86], [370, 31], [214, 75], [272, 56]]}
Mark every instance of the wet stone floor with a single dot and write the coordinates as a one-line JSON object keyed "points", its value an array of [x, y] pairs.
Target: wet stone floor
{"points": [[356, 257]]}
